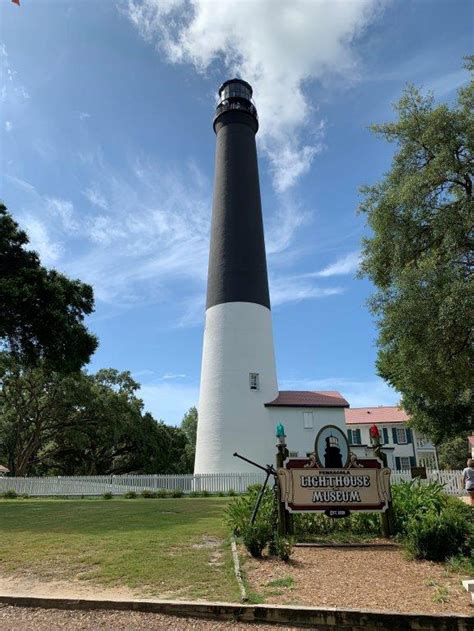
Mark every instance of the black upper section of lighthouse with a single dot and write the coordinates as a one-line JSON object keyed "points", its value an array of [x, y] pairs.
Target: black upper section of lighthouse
{"points": [[237, 261]]}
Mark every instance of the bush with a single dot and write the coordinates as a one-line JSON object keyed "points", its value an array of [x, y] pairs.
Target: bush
{"points": [[256, 537], [231, 492], [194, 494], [10, 495], [162, 493], [177, 493], [239, 511], [130, 495], [435, 536], [205, 494], [414, 499], [284, 547], [107, 496], [310, 526], [149, 494]]}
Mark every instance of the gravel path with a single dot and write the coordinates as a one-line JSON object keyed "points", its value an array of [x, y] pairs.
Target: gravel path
{"points": [[364, 578], [29, 619]]}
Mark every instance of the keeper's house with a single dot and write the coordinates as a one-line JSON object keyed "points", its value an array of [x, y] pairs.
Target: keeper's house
{"points": [[403, 446]]}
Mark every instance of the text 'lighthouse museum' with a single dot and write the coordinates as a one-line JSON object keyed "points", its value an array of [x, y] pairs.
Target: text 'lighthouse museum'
{"points": [[239, 403]]}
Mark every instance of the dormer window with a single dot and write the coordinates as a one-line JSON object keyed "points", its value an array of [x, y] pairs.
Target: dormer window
{"points": [[254, 381]]}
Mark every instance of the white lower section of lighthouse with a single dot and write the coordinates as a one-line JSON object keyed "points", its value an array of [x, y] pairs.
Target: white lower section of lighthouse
{"points": [[238, 345]]}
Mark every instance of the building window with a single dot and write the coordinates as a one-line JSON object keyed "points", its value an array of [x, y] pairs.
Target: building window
{"points": [[254, 381], [404, 463], [308, 420], [293, 454], [354, 437], [402, 436]]}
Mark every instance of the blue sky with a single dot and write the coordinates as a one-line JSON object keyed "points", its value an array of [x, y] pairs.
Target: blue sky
{"points": [[107, 158]]}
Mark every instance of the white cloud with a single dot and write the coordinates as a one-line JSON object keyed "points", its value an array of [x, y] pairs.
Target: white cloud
{"points": [[11, 90], [84, 116], [358, 392], [49, 250], [296, 288], [8, 126], [284, 224], [447, 83], [96, 198], [346, 265], [171, 376], [63, 210], [277, 47], [150, 236]]}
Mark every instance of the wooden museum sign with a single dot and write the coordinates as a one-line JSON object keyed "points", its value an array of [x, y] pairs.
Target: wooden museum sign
{"points": [[333, 480]]}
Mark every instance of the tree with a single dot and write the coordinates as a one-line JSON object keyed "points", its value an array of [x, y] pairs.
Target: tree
{"points": [[189, 427], [420, 257], [41, 311], [453, 453], [81, 424], [34, 404]]}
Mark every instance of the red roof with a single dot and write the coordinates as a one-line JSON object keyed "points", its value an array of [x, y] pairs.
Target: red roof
{"points": [[309, 399], [380, 414]]}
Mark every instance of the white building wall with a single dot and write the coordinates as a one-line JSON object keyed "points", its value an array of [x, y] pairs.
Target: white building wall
{"points": [[298, 438], [238, 340]]}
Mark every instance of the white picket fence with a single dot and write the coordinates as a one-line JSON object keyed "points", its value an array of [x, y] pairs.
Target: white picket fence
{"points": [[120, 484], [211, 482]]}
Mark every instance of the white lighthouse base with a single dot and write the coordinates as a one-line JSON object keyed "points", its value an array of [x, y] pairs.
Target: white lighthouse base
{"points": [[238, 341]]}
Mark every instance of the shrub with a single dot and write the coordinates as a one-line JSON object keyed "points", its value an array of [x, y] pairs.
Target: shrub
{"points": [[162, 493], [284, 547], [148, 494], [10, 495], [435, 536], [194, 494], [205, 493], [239, 511], [177, 493], [107, 496], [414, 499], [231, 492], [310, 526], [130, 495], [256, 537]]}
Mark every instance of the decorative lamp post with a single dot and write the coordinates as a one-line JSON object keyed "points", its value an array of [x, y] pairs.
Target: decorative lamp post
{"points": [[285, 519], [375, 439], [376, 444]]}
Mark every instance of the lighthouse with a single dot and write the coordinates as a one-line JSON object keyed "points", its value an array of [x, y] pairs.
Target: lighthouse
{"points": [[239, 402], [238, 374]]}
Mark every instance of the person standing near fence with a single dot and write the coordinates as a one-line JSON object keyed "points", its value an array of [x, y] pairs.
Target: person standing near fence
{"points": [[468, 479]]}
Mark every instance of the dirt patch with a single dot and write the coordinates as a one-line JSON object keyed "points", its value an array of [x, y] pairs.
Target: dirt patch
{"points": [[380, 580], [25, 585], [208, 542]]}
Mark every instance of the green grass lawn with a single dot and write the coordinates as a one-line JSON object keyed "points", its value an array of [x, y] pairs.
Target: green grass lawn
{"points": [[172, 547]]}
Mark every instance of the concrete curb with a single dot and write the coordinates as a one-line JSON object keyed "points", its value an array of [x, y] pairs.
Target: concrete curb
{"points": [[237, 570], [320, 619], [373, 546]]}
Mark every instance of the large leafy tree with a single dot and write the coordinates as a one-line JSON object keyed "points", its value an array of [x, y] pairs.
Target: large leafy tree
{"points": [[420, 258], [454, 453], [41, 311], [81, 424]]}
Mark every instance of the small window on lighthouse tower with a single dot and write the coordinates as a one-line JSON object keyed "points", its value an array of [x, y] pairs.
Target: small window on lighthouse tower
{"points": [[254, 381]]}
